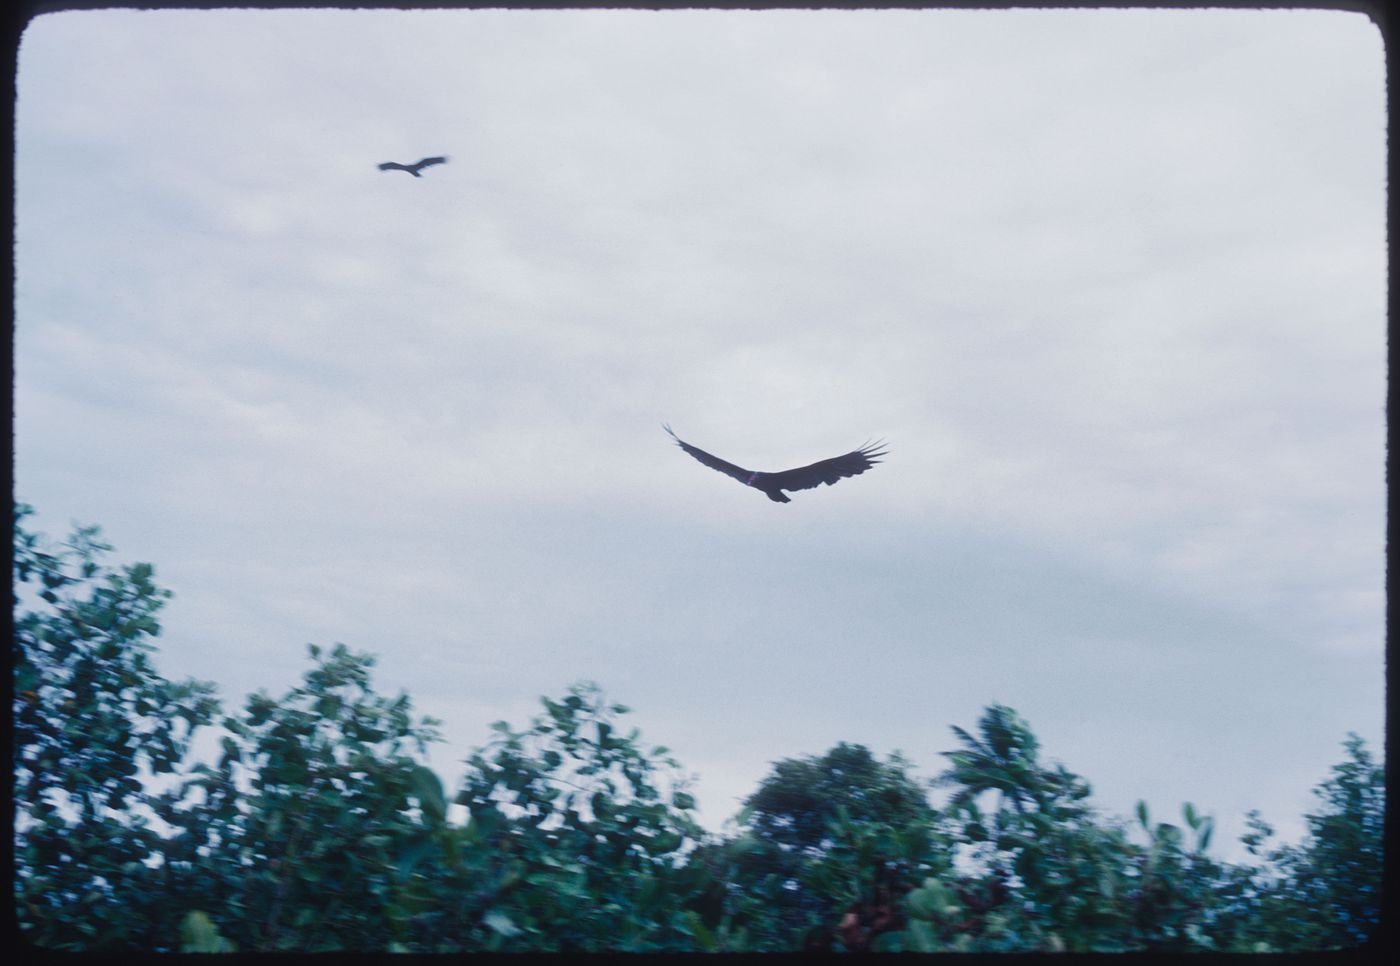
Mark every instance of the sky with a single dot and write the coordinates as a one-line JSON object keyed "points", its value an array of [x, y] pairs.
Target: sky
{"points": [[1111, 284]]}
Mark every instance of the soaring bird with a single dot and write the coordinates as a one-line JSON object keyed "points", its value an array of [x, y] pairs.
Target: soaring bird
{"points": [[413, 168], [854, 463]]}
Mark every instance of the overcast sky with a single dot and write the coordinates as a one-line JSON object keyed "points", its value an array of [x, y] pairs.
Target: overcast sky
{"points": [[1111, 284]]}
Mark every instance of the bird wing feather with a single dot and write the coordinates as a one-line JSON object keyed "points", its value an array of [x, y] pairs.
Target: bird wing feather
{"points": [[713, 462], [829, 471]]}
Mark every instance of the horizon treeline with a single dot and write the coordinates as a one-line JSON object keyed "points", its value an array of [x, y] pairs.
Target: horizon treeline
{"points": [[318, 827]]}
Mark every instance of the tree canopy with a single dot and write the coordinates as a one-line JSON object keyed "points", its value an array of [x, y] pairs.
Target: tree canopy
{"points": [[318, 826]]}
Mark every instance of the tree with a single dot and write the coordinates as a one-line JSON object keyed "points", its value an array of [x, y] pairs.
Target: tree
{"points": [[92, 719], [1004, 758], [317, 827], [795, 805], [828, 847], [577, 836], [1175, 886], [310, 826], [1325, 892], [1052, 875], [1340, 878]]}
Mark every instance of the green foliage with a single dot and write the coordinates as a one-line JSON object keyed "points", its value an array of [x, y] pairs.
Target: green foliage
{"points": [[1173, 886], [577, 836], [794, 806], [1324, 893], [318, 827], [198, 934], [1050, 875], [92, 718], [1339, 870], [829, 846], [315, 815]]}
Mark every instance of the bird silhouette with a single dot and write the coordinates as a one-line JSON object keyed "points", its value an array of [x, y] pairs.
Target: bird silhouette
{"points": [[827, 471], [414, 169]]}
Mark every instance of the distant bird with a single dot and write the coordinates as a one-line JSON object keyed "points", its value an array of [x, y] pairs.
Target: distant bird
{"points": [[413, 168], [829, 471]]}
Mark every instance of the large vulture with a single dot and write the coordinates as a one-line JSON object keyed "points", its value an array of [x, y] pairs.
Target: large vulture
{"points": [[803, 478], [413, 168]]}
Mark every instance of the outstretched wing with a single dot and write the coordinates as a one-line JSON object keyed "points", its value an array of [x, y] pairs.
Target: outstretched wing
{"points": [[829, 471], [429, 162], [394, 166], [713, 462]]}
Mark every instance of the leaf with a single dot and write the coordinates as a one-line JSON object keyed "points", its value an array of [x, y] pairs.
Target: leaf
{"points": [[745, 843], [1168, 834], [663, 843], [412, 855], [1142, 813], [602, 806], [198, 934], [922, 938], [501, 923], [706, 939], [933, 901], [1204, 833], [1106, 887], [425, 786]]}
